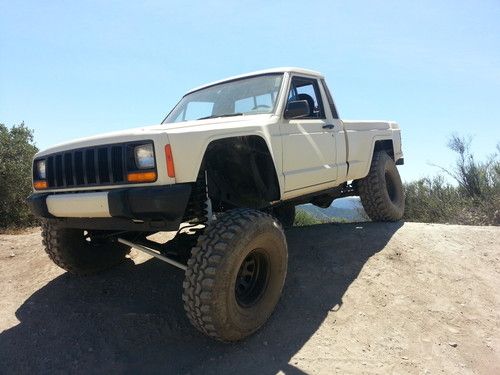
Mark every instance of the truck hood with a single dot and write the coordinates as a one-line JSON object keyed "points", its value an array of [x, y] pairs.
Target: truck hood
{"points": [[158, 132]]}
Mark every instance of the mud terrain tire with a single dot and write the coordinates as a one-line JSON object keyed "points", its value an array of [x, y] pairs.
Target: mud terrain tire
{"points": [[381, 192], [70, 250], [236, 274]]}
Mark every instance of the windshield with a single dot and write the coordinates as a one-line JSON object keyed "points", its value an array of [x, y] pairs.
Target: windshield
{"points": [[246, 96]]}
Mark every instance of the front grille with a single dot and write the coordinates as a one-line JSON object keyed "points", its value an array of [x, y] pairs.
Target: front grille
{"points": [[101, 165]]}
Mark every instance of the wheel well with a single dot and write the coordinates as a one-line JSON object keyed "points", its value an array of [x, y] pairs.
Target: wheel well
{"points": [[240, 173], [385, 145]]}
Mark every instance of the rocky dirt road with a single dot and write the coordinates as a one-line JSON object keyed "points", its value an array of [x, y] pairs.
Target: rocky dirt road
{"points": [[359, 298]]}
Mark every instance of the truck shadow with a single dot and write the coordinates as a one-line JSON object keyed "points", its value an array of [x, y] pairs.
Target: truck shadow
{"points": [[131, 319]]}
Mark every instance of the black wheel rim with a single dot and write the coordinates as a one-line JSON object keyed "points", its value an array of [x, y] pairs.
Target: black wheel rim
{"points": [[391, 188], [252, 279]]}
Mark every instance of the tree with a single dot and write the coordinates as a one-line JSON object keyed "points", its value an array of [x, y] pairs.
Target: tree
{"points": [[17, 149]]}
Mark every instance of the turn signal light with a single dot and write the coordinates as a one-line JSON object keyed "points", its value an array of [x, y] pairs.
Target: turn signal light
{"points": [[141, 177], [39, 185], [170, 161]]}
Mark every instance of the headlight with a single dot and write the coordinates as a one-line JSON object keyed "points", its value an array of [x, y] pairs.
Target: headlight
{"points": [[40, 170], [144, 156]]}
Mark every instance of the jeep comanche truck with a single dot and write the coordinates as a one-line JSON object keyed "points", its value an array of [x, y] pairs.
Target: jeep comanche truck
{"points": [[225, 169]]}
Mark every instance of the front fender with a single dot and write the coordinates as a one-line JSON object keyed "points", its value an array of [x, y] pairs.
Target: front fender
{"points": [[188, 148]]}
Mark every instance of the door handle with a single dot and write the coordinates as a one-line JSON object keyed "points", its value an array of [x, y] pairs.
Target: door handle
{"points": [[328, 126]]}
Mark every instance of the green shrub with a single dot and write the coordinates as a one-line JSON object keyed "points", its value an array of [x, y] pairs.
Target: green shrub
{"points": [[16, 152], [474, 200], [303, 218], [432, 201]]}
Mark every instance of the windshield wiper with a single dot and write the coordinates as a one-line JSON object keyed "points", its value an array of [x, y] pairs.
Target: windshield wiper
{"points": [[224, 115]]}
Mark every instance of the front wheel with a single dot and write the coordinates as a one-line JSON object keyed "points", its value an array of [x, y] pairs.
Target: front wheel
{"points": [[81, 252], [236, 274], [381, 192]]}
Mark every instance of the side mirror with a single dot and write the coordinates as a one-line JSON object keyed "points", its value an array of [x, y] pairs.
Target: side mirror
{"points": [[297, 109]]}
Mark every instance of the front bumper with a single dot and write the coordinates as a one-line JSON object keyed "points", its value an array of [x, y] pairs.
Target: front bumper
{"points": [[141, 209]]}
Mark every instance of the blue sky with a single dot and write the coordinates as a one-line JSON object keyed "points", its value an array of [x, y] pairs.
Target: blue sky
{"points": [[72, 69]]}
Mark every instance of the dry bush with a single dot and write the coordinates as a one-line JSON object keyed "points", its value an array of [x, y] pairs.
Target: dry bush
{"points": [[474, 200]]}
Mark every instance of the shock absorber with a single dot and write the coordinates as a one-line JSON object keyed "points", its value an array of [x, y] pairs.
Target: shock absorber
{"points": [[199, 209]]}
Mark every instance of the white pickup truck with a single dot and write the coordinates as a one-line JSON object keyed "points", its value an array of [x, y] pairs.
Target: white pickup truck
{"points": [[225, 169]]}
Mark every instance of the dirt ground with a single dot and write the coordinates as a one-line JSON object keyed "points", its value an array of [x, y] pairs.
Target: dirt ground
{"points": [[359, 298]]}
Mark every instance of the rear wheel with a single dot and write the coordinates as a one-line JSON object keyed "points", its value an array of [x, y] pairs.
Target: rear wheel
{"points": [[81, 252], [381, 192], [236, 274]]}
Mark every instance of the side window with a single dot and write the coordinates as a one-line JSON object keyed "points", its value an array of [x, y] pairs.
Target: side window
{"points": [[307, 89]]}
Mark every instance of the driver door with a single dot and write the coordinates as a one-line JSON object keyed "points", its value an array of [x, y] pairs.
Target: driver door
{"points": [[309, 152]]}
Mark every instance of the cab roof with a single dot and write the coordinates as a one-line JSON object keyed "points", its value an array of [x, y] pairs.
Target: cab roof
{"points": [[259, 72]]}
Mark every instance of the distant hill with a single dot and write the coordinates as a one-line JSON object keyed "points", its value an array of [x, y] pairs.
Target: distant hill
{"points": [[347, 209]]}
